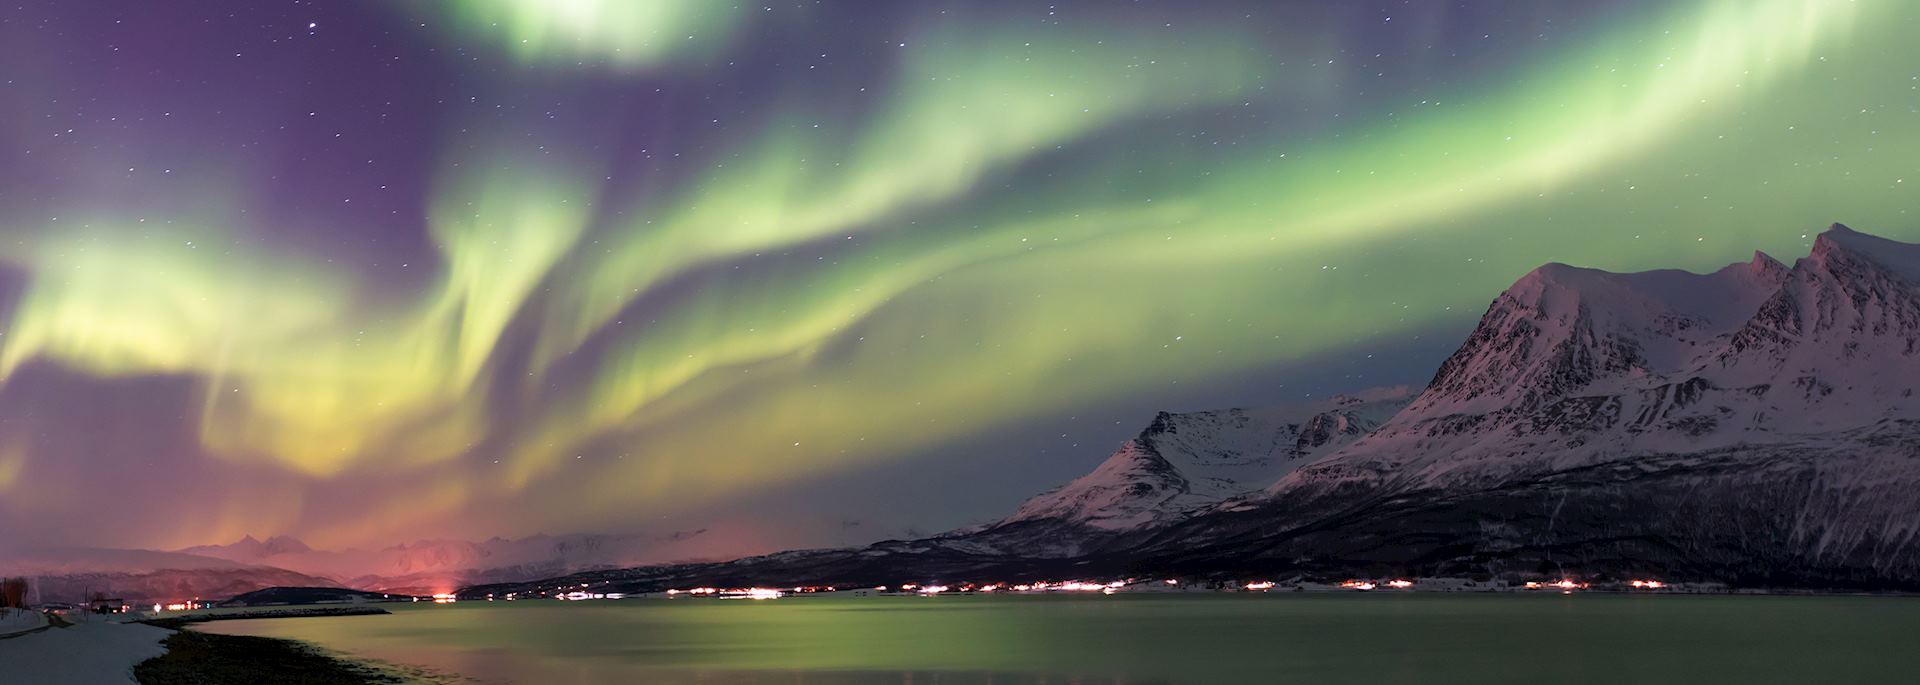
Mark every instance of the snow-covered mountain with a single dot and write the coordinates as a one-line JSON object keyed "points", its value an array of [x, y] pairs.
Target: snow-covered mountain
{"points": [[248, 549], [1574, 366], [1756, 422], [1185, 462], [1178, 465]]}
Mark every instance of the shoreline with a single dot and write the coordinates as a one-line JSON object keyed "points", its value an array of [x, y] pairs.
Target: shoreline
{"points": [[1136, 587], [194, 657], [197, 658], [201, 658]]}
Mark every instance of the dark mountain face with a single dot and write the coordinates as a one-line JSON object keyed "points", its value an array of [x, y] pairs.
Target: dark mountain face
{"points": [[1754, 426], [1743, 515]]}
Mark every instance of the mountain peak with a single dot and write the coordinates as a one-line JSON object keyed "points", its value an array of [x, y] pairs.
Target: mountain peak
{"points": [[285, 544], [1836, 237], [1840, 244], [1561, 327], [1185, 461], [1593, 359]]}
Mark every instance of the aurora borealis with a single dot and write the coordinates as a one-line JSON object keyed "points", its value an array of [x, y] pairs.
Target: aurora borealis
{"points": [[376, 270]]}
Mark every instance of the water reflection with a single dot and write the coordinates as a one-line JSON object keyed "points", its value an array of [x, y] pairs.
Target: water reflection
{"points": [[1405, 638]]}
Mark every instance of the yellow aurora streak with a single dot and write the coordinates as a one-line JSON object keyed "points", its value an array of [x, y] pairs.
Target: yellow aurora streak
{"points": [[295, 371]]}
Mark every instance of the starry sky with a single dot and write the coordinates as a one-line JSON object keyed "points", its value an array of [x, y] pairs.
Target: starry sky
{"points": [[368, 271]]}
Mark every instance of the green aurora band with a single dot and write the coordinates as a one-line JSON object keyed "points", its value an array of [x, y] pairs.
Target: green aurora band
{"points": [[824, 298]]}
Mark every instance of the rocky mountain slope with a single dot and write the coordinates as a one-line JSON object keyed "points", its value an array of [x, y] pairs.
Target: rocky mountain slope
{"points": [[1178, 465]]}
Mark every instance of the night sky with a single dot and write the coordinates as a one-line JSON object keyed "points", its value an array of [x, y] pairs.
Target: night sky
{"points": [[367, 271]]}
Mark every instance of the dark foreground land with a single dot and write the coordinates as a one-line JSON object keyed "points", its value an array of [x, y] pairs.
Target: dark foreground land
{"points": [[203, 659], [195, 658]]}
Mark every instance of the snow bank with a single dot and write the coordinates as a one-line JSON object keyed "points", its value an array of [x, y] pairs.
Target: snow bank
{"points": [[87, 653], [17, 621]]}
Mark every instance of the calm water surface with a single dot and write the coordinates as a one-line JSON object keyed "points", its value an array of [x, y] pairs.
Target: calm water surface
{"points": [[1281, 638]]}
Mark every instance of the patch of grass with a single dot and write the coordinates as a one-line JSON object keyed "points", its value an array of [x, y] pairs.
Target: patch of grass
{"points": [[203, 659]]}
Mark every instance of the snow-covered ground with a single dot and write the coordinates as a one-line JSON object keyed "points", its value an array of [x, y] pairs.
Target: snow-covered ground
{"points": [[86, 653], [17, 621]]}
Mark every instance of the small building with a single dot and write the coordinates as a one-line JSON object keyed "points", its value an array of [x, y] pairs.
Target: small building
{"points": [[109, 605]]}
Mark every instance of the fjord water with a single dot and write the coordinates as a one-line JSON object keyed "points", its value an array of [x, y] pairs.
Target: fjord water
{"points": [[1279, 638]]}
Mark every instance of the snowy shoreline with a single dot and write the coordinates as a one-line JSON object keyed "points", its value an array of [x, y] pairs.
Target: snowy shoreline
{"points": [[109, 649]]}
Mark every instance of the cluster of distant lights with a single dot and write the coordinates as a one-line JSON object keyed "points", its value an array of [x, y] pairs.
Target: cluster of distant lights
{"points": [[192, 605], [1568, 585], [1564, 585], [776, 593], [1063, 586]]}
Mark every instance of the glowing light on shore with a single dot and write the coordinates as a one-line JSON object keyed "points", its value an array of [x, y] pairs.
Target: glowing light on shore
{"points": [[1399, 584], [1077, 586], [578, 596], [1359, 585], [1260, 586]]}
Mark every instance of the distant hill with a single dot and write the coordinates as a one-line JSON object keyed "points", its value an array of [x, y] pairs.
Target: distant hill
{"points": [[72, 574], [426, 567], [420, 568], [275, 596]]}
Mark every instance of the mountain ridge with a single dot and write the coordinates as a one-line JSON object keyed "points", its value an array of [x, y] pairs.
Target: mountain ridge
{"points": [[1752, 425], [1797, 404]]}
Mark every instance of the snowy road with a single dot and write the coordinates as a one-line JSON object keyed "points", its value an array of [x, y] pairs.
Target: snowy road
{"points": [[84, 653]]}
